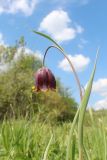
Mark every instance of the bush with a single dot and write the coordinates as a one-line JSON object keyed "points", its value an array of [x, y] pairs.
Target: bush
{"points": [[17, 98]]}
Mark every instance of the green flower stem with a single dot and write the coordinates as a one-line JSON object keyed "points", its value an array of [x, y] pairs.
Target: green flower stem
{"points": [[71, 65], [80, 91]]}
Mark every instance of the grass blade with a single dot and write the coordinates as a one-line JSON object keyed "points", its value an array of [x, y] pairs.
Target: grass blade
{"points": [[71, 135], [47, 148], [73, 147], [86, 153], [49, 38], [83, 106]]}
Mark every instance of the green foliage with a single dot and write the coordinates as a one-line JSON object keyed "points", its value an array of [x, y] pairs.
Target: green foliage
{"points": [[83, 106], [54, 108], [49, 38], [15, 86], [17, 98], [28, 140], [80, 114]]}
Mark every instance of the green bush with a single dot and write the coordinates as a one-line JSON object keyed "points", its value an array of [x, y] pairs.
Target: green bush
{"points": [[17, 98]]}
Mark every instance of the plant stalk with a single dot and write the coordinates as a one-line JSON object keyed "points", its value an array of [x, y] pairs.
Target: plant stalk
{"points": [[71, 65]]}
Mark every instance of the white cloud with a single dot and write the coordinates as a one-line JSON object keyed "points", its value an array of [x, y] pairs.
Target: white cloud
{"points": [[58, 24], [100, 87], [84, 2], [14, 6], [27, 51], [101, 104], [81, 46], [1, 39], [36, 53], [79, 29], [81, 2], [79, 61], [4, 66], [82, 43], [68, 2]]}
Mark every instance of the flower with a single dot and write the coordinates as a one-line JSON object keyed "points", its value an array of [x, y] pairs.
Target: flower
{"points": [[44, 80], [33, 88]]}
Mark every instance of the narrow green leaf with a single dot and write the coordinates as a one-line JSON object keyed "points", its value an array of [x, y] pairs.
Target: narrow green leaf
{"points": [[86, 153], [47, 148], [73, 147], [83, 106], [71, 136], [49, 38], [104, 142]]}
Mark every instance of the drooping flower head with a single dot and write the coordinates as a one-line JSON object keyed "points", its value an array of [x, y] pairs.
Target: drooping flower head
{"points": [[44, 80]]}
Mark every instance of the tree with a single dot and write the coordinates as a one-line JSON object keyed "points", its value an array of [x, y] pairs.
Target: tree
{"points": [[17, 98]]}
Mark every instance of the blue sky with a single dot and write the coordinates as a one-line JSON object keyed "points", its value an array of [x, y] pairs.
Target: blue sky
{"points": [[79, 26]]}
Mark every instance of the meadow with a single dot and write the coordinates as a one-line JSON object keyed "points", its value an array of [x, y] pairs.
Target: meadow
{"points": [[24, 139], [45, 125]]}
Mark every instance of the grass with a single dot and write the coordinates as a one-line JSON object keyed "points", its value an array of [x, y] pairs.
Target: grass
{"points": [[30, 140], [82, 106]]}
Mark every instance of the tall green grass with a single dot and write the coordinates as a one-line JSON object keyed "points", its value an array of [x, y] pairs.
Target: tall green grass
{"points": [[79, 117], [30, 140]]}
